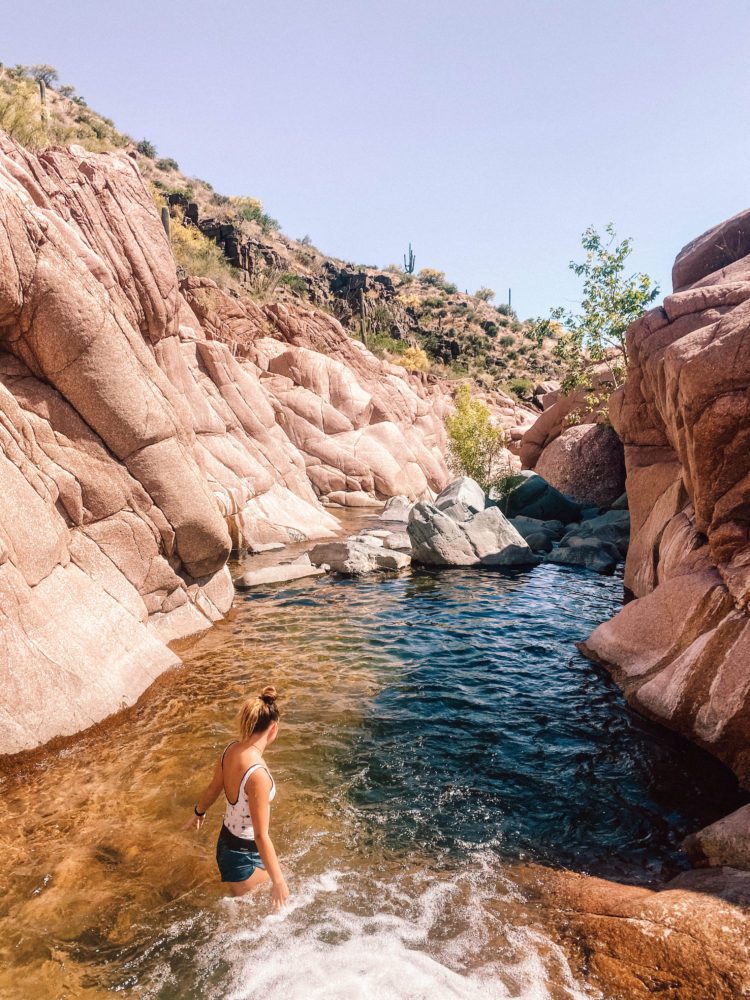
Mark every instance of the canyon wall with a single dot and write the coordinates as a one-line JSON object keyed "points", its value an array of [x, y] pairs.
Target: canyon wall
{"points": [[681, 649], [148, 425]]}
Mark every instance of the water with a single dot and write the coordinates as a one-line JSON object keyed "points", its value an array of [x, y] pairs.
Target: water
{"points": [[440, 732]]}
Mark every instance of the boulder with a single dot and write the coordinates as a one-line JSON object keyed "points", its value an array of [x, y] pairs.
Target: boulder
{"points": [[621, 503], [588, 553], [487, 538], [533, 496], [725, 842], [539, 535], [612, 528], [353, 557], [397, 509], [256, 548], [465, 491], [587, 462]]}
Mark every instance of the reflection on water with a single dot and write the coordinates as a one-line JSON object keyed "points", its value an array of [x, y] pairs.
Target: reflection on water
{"points": [[437, 728]]}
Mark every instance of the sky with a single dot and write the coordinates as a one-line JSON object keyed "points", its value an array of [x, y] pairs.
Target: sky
{"points": [[487, 134]]}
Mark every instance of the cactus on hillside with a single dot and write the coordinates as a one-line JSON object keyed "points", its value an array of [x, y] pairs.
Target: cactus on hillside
{"points": [[410, 261]]}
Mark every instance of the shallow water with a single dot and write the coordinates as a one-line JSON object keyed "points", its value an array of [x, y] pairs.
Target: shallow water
{"points": [[439, 728]]}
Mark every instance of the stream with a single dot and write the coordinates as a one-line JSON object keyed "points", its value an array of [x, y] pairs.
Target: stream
{"points": [[439, 731]]}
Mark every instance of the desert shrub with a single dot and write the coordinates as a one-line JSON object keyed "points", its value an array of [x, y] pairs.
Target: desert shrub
{"points": [[167, 164], [507, 340], [449, 288], [477, 446], [66, 90], [294, 282], [252, 210], [414, 359], [146, 148], [20, 117], [485, 294], [79, 100], [431, 276], [520, 387], [381, 343], [198, 254]]}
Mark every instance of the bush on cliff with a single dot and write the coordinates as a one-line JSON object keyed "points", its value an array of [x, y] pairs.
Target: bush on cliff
{"points": [[477, 447], [199, 255]]}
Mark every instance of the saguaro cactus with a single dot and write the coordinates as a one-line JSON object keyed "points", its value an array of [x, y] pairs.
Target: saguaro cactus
{"points": [[409, 261]]}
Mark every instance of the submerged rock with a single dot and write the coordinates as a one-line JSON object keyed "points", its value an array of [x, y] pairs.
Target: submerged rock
{"points": [[281, 573], [539, 535], [588, 553], [532, 496], [355, 557], [486, 538]]}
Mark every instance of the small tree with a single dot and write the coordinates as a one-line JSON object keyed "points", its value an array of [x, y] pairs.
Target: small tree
{"points": [[476, 445], [146, 148], [485, 294], [611, 302], [43, 73]]}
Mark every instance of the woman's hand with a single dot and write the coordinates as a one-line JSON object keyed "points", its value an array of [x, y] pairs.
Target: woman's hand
{"points": [[279, 895], [195, 822]]}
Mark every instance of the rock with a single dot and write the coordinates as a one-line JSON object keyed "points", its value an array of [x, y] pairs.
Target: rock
{"points": [[685, 941], [534, 497], [370, 539], [256, 548], [621, 503], [725, 842], [352, 557], [588, 553], [612, 527], [397, 509], [539, 535], [547, 393], [398, 540], [463, 491], [681, 648], [585, 462], [532, 525], [487, 539], [281, 573]]}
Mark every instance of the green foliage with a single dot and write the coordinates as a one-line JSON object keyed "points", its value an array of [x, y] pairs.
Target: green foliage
{"points": [[611, 302], [43, 73], [520, 387], [485, 294], [431, 276], [476, 445], [414, 359], [252, 210], [294, 282], [146, 148], [167, 164]]}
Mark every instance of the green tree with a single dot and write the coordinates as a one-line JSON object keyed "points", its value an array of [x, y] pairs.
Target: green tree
{"points": [[476, 445], [44, 72], [611, 302]]}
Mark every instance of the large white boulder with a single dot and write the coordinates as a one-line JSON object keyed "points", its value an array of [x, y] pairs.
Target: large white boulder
{"points": [[484, 539]]}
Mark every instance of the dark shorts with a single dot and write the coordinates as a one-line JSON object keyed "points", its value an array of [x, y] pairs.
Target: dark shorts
{"points": [[237, 859]]}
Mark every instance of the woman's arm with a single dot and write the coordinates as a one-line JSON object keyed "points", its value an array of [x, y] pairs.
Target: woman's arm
{"points": [[258, 788], [208, 796]]}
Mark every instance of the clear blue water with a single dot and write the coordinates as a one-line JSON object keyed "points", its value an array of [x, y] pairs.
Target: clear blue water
{"points": [[491, 730]]}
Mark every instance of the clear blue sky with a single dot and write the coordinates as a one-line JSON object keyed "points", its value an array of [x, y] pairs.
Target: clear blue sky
{"points": [[490, 134]]}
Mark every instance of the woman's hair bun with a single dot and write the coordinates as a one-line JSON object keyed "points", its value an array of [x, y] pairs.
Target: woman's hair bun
{"points": [[269, 695]]}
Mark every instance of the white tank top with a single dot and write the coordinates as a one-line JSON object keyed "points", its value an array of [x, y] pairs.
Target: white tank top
{"points": [[237, 814]]}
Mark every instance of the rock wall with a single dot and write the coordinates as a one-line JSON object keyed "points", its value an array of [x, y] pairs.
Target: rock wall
{"points": [[681, 650], [147, 426]]}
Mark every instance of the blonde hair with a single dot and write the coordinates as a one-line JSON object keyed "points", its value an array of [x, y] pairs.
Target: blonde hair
{"points": [[258, 712]]}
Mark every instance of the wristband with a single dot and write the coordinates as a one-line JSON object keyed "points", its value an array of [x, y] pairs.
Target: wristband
{"points": [[199, 814]]}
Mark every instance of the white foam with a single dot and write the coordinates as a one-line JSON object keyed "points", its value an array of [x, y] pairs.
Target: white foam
{"points": [[343, 937]]}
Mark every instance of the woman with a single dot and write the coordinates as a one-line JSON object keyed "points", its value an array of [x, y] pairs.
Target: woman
{"points": [[245, 853]]}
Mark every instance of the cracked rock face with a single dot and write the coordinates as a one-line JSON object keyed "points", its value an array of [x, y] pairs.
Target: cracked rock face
{"points": [[147, 427], [682, 650]]}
